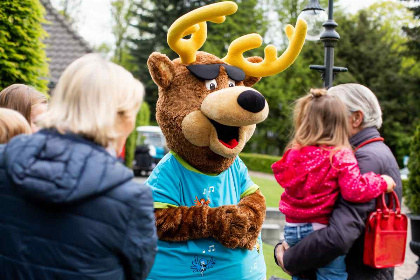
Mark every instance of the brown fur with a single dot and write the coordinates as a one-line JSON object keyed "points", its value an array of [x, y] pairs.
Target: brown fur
{"points": [[181, 93], [232, 225]]}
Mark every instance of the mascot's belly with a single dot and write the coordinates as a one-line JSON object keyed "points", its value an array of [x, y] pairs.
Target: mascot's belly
{"points": [[175, 183], [207, 259]]}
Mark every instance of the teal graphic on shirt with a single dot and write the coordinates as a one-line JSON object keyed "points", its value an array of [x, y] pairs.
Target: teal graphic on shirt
{"points": [[175, 183]]}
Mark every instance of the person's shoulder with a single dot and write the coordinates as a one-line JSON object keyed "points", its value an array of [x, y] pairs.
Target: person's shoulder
{"points": [[376, 152], [376, 149]]}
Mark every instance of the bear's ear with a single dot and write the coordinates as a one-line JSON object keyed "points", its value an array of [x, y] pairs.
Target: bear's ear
{"points": [[161, 69], [250, 81]]}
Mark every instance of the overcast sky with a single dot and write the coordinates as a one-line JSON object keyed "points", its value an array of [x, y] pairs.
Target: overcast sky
{"points": [[94, 18]]}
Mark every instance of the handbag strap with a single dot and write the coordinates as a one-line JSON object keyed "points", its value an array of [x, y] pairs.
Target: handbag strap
{"points": [[383, 207], [369, 141]]}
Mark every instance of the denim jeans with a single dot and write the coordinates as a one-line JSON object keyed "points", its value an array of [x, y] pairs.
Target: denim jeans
{"points": [[336, 270]]}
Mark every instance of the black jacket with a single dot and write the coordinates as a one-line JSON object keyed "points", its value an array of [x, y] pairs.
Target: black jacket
{"points": [[345, 233], [70, 210]]}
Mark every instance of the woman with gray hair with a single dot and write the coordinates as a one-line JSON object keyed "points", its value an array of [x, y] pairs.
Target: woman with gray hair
{"points": [[344, 235]]}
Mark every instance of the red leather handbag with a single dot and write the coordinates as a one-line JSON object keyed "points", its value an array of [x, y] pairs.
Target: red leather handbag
{"points": [[386, 234]]}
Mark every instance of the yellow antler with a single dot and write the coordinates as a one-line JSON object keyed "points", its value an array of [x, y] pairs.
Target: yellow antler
{"points": [[194, 23], [271, 64]]}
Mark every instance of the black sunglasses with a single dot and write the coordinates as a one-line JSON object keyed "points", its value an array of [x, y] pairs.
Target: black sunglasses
{"points": [[211, 71]]}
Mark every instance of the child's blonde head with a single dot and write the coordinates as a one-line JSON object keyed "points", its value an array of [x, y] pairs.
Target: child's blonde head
{"points": [[320, 119], [12, 123]]}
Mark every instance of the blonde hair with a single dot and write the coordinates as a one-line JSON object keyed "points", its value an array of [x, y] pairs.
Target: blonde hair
{"points": [[12, 123], [91, 96], [320, 119], [21, 98]]}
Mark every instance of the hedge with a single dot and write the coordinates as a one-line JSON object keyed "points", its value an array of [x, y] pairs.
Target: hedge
{"points": [[259, 162], [22, 53], [143, 118], [412, 188]]}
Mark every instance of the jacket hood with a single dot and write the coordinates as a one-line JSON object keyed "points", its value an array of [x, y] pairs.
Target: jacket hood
{"points": [[55, 168], [295, 164]]}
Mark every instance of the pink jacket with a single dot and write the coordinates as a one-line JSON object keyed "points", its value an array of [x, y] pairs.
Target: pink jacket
{"points": [[312, 180]]}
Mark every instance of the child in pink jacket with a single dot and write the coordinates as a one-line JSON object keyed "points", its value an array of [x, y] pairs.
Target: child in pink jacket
{"points": [[318, 165]]}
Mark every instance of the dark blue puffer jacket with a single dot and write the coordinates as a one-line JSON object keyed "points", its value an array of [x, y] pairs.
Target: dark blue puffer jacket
{"points": [[70, 210]]}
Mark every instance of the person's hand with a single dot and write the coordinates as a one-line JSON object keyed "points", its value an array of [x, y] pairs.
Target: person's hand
{"points": [[389, 182], [280, 253]]}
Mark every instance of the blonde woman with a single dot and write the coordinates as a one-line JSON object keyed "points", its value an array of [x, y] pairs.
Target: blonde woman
{"points": [[26, 100], [12, 123], [68, 208]]}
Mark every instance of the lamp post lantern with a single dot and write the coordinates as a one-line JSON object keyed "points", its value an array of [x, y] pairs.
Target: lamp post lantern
{"points": [[313, 13]]}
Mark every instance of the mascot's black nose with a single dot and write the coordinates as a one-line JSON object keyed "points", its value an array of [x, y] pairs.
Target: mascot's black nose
{"points": [[251, 101]]}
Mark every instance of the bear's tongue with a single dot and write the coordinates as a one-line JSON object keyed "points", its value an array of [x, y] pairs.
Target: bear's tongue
{"points": [[227, 135], [231, 144]]}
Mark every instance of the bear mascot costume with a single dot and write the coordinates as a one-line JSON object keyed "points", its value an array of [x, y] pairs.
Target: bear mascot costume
{"points": [[208, 212]]}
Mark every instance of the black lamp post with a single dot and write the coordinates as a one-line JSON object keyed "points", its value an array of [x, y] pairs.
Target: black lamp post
{"points": [[313, 13]]}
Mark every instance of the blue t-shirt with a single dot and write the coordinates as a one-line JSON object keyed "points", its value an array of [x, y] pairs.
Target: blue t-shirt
{"points": [[175, 183]]}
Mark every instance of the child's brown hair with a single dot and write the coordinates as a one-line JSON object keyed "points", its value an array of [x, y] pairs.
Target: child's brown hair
{"points": [[320, 119], [12, 123], [21, 98]]}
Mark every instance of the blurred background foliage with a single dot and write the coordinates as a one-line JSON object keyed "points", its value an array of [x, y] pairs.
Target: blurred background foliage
{"points": [[379, 44], [375, 46]]}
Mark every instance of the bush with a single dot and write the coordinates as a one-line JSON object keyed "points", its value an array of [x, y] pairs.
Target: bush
{"points": [[412, 189], [143, 118], [258, 162], [22, 54]]}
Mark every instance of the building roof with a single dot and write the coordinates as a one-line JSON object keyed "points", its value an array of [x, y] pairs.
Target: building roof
{"points": [[63, 45]]}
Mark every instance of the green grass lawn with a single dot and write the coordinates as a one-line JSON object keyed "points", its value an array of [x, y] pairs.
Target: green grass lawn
{"points": [[271, 190], [272, 268]]}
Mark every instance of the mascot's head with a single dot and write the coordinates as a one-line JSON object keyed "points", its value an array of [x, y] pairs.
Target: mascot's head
{"points": [[206, 108]]}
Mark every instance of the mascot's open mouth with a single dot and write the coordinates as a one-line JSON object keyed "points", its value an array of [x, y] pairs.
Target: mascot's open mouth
{"points": [[227, 135]]}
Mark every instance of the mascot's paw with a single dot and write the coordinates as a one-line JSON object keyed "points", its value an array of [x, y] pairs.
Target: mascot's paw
{"points": [[249, 240], [228, 225]]}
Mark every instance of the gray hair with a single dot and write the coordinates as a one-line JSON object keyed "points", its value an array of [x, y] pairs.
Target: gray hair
{"points": [[360, 98]]}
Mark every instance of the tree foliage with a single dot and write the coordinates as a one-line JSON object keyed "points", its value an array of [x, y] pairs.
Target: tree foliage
{"points": [[22, 54], [122, 13], [70, 9], [372, 47], [375, 59]]}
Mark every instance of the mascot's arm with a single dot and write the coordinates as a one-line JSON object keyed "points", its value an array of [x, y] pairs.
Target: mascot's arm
{"points": [[232, 225]]}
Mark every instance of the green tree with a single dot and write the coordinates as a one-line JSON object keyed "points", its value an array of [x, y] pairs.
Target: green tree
{"points": [[122, 14], [70, 10], [155, 17], [375, 59], [22, 54], [413, 33]]}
